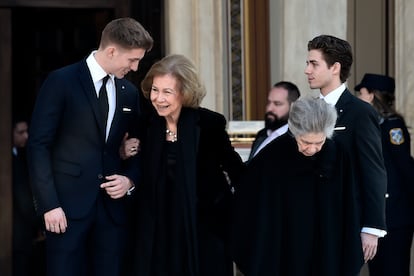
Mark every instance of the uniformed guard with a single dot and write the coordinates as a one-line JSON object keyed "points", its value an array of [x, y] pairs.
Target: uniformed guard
{"points": [[393, 256]]}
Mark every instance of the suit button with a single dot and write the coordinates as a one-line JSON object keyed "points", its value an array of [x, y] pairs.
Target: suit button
{"points": [[100, 176]]}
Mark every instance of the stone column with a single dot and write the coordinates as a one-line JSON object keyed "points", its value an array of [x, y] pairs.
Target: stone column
{"points": [[404, 67], [196, 29]]}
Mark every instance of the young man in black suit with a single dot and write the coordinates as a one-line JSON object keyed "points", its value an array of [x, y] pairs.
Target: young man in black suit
{"points": [[79, 181], [358, 135]]}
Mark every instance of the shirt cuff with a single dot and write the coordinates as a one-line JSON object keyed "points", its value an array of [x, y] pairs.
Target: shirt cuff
{"points": [[373, 231]]}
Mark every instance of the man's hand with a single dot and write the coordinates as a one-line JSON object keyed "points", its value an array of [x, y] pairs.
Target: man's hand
{"points": [[55, 221], [369, 245], [129, 147], [117, 185]]}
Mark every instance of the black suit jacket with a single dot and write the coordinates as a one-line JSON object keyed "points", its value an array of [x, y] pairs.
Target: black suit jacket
{"points": [[358, 135], [204, 152], [260, 137], [67, 151]]}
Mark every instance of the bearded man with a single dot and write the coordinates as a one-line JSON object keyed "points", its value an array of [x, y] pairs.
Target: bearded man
{"points": [[279, 100]]}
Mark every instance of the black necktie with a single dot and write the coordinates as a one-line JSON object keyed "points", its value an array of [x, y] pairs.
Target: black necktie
{"points": [[103, 100]]}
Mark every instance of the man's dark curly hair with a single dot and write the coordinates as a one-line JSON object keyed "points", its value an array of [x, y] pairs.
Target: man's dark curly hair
{"points": [[333, 50]]}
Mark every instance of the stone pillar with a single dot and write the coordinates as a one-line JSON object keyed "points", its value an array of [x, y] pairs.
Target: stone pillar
{"points": [[292, 25], [404, 67], [196, 29]]}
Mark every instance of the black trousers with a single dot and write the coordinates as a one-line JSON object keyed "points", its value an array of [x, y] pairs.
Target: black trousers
{"points": [[91, 246]]}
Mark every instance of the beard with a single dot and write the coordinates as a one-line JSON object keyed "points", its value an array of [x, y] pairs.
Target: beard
{"points": [[273, 122]]}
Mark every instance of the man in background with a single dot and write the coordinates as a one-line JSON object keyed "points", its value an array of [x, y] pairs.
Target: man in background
{"points": [[26, 225], [279, 99]]}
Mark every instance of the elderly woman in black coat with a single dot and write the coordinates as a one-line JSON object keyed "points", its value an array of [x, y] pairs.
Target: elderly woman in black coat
{"points": [[188, 163], [287, 213]]}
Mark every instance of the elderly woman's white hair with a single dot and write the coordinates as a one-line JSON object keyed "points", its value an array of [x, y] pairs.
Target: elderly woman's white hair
{"points": [[312, 115]]}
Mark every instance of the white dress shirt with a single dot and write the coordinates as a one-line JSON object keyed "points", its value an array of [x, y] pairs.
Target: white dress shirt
{"points": [[98, 73], [271, 135]]}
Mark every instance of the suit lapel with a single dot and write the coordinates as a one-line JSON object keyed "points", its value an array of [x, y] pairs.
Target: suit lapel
{"points": [[89, 89], [343, 104], [261, 136]]}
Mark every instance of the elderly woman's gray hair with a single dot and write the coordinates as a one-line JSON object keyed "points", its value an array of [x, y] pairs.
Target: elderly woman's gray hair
{"points": [[188, 81], [312, 115]]}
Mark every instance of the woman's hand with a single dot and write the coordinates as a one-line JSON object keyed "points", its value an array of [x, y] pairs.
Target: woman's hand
{"points": [[129, 147]]}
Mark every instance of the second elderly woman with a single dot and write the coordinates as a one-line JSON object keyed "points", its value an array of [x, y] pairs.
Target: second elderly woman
{"points": [[188, 162], [287, 215]]}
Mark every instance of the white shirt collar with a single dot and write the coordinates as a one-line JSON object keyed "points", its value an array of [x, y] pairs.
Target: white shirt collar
{"points": [[333, 96], [281, 130], [271, 135], [97, 72]]}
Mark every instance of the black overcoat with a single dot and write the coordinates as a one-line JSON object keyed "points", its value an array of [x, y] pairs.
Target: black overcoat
{"points": [[203, 153], [287, 212]]}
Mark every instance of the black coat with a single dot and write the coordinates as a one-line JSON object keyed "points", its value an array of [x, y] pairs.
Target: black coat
{"points": [[359, 138], [182, 221], [287, 212], [400, 172]]}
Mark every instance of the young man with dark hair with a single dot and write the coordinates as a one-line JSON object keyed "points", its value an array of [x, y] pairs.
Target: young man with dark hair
{"points": [[358, 136]]}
